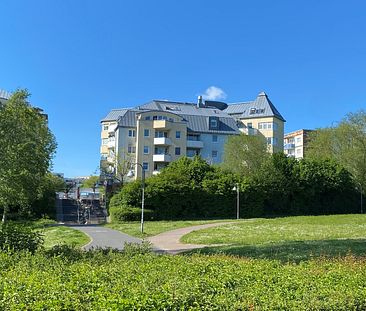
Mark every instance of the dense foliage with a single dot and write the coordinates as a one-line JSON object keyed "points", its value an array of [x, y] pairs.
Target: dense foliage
{"points": [[65, 279], [192, 189], [345, 143], [27, 147]]}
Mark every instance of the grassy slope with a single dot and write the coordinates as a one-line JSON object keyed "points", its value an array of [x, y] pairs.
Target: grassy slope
{"points": [[54, 234], [155, 227], [289, 238]]}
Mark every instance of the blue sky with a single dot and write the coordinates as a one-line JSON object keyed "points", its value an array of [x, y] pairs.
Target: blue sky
{"points": [[81, 58]]}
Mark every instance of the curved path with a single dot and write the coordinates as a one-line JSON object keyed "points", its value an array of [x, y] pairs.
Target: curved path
{"points": [[102, 237], [169, 242]]}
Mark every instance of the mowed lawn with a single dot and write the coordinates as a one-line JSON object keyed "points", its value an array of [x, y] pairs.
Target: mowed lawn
{"points": [[152, 228], [287, 238], [57, 235]]}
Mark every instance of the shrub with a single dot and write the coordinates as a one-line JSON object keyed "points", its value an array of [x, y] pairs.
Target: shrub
{"points": [[15, 237], [119, 214]]}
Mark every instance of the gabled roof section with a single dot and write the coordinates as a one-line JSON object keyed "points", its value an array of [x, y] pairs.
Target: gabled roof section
{"points": [[4, 94], [260, 107], [115, 114]]}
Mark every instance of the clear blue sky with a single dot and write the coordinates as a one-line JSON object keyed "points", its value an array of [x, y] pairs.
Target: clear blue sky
{"points": [[81, 58]]}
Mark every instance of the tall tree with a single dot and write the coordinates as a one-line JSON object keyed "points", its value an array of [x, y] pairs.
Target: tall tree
{"points": [[345, 143], [244, 154], [27, 147]]}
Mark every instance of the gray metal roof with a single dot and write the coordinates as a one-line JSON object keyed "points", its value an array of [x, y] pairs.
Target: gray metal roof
{"points": [[198, 118], [115, 114], [4, 94], [262, 105]]}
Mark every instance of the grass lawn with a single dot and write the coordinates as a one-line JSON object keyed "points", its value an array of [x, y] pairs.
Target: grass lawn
{"points": [[155, 227], [54, 234], [288, 238]]}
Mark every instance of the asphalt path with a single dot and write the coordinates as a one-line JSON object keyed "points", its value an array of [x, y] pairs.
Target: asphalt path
{"points": [[102, 237]]}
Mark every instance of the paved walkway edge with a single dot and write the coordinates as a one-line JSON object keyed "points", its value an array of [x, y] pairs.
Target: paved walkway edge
{"points": [[169, 242]]}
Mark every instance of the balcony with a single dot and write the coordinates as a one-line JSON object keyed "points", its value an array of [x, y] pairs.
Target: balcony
{"points": [[161, 124], [162, 141], [289, 146], [111, 144], [194, 144], [156, 172], [162, 158]]}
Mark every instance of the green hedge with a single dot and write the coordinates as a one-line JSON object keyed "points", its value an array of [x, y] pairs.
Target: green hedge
{"points": [[134, 281], [121, 214]]}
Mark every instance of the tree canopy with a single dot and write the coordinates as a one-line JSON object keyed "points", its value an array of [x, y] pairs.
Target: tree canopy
{"points": [[244, 154], [27, 148], [345, 143]]}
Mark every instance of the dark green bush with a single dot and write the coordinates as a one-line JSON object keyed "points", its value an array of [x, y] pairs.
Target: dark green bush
{"points": [[121, 214], [16, 237]]}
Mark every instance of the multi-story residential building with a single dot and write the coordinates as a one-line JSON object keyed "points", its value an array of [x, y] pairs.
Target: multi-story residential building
{"points": [[295, 143], [159, 132]]}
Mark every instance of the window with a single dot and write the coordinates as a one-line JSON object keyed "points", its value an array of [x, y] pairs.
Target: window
{"points": [[146, 149], [145, 165], [104, 141], [269, 140], [274, 141], [131, 133], [252, 111], [131, 149], [250, 125], [177, 151], [298, 139], [214, 138], [213, 123], [275, 126], [146, 132], [155, 117], [147, 118], [192, 152], [103, 156], [161, 134], [105, 127], [267, 126], [214, 153], [177, 134]]}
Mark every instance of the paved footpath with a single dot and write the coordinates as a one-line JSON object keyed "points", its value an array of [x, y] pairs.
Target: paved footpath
{"points": [[168, 242], [102, 237]]}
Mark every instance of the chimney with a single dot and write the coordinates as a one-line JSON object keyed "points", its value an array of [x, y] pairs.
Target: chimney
{"points": [[200, 102]]}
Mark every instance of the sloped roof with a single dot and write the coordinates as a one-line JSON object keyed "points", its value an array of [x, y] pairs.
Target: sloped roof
{"points": [[4, 94], [262, 105], [115, 114]]}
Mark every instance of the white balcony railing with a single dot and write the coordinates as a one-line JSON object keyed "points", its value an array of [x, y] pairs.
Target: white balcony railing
{"points": [[289, 146], [162, 141], [111, 144], [194, 144], [162, 158]]}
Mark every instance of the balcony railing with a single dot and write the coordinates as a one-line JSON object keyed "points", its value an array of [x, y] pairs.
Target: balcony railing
{"points": [[289, 146], [111, 144], [162, 141], [194, 144], [161, 124], [162, 158]]}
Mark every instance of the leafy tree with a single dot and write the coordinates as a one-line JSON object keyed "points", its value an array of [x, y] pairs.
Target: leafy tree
{"points": [[90, 182], [27, 147], [244, 154], [345, 143]]}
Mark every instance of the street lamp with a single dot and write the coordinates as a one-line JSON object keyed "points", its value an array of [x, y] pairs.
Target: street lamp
{"points": [[236, 188], [131, 174], [361, 196]]}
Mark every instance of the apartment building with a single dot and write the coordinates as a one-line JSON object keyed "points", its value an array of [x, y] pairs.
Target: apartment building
{"points": [[159, 132], [295, 143]]}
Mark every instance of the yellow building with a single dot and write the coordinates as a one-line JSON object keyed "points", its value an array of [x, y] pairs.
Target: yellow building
{"points": [[159, 132]]}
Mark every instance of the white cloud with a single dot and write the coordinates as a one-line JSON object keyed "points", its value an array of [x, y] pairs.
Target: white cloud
{"points": [[214, 93]]}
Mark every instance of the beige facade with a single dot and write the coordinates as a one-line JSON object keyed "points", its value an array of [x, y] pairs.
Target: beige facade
{"points": [[271, 128], [295, 143]]}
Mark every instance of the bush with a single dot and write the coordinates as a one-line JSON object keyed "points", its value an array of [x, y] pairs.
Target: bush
{"points": [[121, 214], [15, 237]]}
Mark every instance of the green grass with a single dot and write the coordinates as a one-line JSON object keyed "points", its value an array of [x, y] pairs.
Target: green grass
{"points": [[55, 235], [152, 228], [288, 238]]}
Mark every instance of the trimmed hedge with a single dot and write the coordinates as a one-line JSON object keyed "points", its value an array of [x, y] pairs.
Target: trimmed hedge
{"points": [[119, 214]]}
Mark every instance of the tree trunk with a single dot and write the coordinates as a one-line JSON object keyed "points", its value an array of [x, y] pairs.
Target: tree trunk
{"points": [[5, 212]]}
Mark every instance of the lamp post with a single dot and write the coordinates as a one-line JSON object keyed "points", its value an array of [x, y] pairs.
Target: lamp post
{"points": [[131, 174], [236, 188], [361, 197]]}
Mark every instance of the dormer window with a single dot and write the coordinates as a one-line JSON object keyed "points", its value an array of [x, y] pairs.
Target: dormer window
{"points": [[252, 111], [214, 123]]}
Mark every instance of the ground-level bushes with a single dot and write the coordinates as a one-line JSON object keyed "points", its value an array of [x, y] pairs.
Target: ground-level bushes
{"points": [[192, 189], [114, 281]]}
